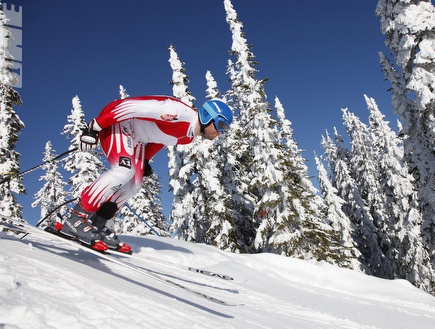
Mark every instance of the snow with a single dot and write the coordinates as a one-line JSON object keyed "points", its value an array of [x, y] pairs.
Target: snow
{"points": [[44, 284]]}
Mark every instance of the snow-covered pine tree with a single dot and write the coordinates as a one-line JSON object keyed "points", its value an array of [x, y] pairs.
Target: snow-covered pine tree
{"points": [[212, 90], [397, 194], [10, 127], [335, 153], [294, 222], [187, 215], [52, 194], [339, 220], [84, 166], [362, 229], [123, 92], [391, 246], [283, 214], [216, 179], [242, 200], [363, 168], [145, 204], [409, 28], [363, 162], [251, 137]]}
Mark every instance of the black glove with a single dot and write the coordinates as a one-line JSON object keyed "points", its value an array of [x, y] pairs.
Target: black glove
{"points": [[89, 136], [147, 170]]}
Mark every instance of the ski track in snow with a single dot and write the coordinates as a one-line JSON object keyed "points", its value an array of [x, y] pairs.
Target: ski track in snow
{"points": [[44, 284]]}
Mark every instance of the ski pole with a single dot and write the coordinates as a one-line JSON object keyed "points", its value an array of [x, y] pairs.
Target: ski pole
{"points": [[143, 220], [38, 166], [53, 210]]}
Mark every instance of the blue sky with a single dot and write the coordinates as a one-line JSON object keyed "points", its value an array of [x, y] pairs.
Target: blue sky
{"points": [[320, 57]]}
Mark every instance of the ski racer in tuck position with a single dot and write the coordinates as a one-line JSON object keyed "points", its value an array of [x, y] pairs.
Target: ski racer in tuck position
{"points": [[131, 131]]}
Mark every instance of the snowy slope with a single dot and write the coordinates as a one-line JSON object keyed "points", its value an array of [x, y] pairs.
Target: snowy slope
{"points": [[47, 286]]}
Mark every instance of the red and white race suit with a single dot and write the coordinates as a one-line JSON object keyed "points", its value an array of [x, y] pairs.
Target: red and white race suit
{"points": [[133, 130]]}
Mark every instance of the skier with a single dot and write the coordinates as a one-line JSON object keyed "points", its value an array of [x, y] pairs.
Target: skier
{"points": [[131, 131]]}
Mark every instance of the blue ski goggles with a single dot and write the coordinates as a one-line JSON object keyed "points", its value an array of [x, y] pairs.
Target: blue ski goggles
{"points": [[221, 124]]}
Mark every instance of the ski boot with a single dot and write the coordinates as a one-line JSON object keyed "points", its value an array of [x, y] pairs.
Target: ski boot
{"points": [[99, 220], [78, 226], [56, 225], [111, 239]]}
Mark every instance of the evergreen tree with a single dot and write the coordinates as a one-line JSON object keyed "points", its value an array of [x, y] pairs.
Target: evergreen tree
{"points": [[410, 33], [52, 193], [84, 166], [188, 204], [380, 198], [297, 226], [339, 220], [241, 232], [364, 172], [362, 230], [281, 211], [253, 132], [216, 183], [406, 254], [10, 127], [335, 154], [123, 92]]}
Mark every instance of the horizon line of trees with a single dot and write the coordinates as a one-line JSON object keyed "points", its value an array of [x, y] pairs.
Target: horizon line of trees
{"points": [[250, 190]]}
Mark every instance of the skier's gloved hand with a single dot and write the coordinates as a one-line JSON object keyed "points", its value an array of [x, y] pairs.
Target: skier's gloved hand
{"points": [[147, 170], [89, 136]]}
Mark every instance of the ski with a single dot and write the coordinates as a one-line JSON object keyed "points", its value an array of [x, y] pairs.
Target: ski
{"points": [[13, 228], [24, 228], [159, 261], [178, 266], [156, 260], [66, 237], [209, 273]]}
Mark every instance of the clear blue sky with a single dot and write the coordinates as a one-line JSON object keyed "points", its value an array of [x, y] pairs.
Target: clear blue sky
{"points": [[320, 56]]}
